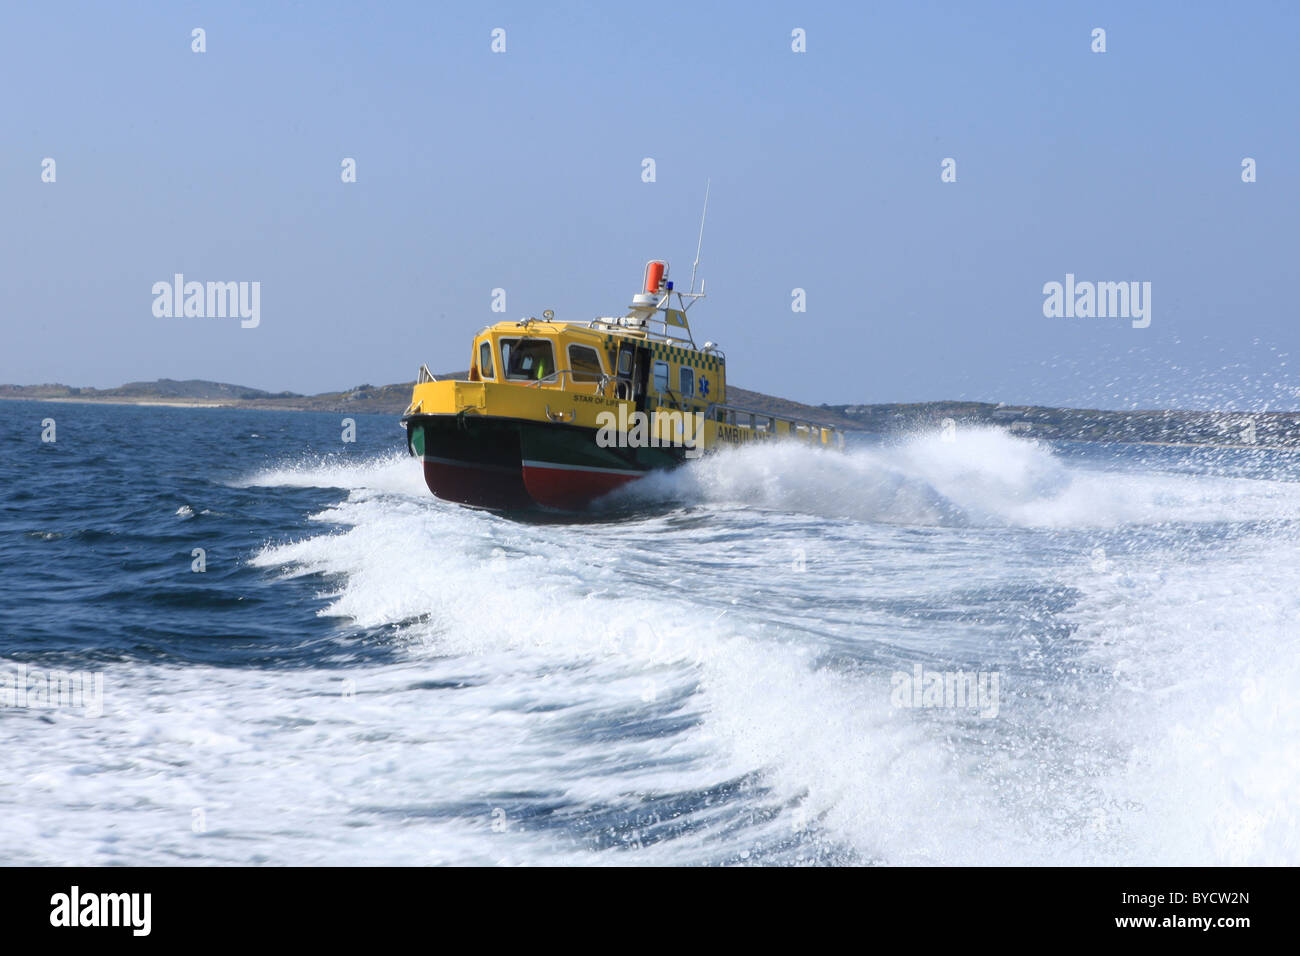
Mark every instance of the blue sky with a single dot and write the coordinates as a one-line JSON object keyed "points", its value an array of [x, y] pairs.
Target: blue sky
{"points": [[522, 170]]}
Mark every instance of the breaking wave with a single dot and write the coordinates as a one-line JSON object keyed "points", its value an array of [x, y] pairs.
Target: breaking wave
{"points": [[1148, 712]]}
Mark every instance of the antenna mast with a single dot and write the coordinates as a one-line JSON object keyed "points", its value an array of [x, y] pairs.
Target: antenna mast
{"points": [[699, 245]]}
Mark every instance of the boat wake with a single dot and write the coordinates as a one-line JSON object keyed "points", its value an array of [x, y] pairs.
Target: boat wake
{"points": [[979, 476], [712, 681]]}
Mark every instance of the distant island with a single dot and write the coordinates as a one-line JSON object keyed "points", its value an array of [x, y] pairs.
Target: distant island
{"points": [[1170, 427], [202, 394]]}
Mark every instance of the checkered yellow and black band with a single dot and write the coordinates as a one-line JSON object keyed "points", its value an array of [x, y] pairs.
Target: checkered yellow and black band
{"points": [[705, 361]]}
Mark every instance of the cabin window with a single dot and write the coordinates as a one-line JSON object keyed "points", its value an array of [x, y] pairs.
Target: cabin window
{"points": [[625, 362], [527, 360], [485, 360], [585, 364], [686, 382], [661, 376]]}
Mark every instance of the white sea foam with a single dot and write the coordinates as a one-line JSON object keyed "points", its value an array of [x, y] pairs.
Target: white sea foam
{"points": [[981, 476], [540, 602], [618, 684], [394, 472]]}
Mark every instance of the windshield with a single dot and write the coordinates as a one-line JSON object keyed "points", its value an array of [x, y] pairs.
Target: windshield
{"points": [[527, 360]]}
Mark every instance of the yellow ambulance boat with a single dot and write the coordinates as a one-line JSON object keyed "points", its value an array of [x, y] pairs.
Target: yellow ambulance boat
{"points": [[556, 414]]}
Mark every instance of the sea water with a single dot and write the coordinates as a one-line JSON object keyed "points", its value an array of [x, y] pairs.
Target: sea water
{"points": [[306, 658]]}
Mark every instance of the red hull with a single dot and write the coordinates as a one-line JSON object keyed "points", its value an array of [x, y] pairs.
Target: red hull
{"points": [[570, 487], [514, 465], [566, 488], [477, 485]]}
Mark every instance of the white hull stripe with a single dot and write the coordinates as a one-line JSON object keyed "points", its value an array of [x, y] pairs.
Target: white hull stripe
{"points": [[604, 471]]}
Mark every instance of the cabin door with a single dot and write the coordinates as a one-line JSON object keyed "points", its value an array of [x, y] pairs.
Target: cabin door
{"points": [[633, 373], [641, 377], [623, 371]]}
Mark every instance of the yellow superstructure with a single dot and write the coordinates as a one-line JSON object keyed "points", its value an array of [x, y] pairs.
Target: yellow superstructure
{"points": [[585, 381], [558, 413]]}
